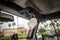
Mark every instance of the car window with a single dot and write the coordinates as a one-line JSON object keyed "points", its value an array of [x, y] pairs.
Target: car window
{"points": [[17, 28], [49, 30]]}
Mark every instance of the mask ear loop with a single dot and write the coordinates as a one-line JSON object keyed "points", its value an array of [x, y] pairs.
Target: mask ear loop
{"points": [[31, 15]]}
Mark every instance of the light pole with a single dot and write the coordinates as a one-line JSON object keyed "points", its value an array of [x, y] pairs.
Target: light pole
{"points": [[17, 21]]}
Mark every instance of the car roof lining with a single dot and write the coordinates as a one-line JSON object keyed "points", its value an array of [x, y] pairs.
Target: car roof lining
{"points": [[14, 10], [40, 16]]}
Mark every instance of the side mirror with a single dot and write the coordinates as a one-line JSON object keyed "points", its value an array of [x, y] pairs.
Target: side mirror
{"points": [[6, 17]]}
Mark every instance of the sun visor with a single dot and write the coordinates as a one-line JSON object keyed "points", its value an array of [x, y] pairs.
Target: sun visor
{"points": [[12, 11], [6, 17]]}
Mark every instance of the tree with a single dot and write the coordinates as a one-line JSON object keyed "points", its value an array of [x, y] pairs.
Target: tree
{"points": [[53, 24], [13, 24], [9, 25], [41, 30]]}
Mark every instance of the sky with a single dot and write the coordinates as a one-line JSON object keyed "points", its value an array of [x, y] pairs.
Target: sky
{"points": [[21, 22]]}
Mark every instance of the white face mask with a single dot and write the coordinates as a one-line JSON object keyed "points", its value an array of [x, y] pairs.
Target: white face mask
{"points": [[32, 23]]}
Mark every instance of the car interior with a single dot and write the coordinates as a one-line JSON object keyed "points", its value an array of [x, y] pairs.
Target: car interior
{"points": [[43, 16]]}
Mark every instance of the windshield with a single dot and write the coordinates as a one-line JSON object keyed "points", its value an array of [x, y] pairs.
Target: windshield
{"points": [[18, 26], [49, 30]]}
